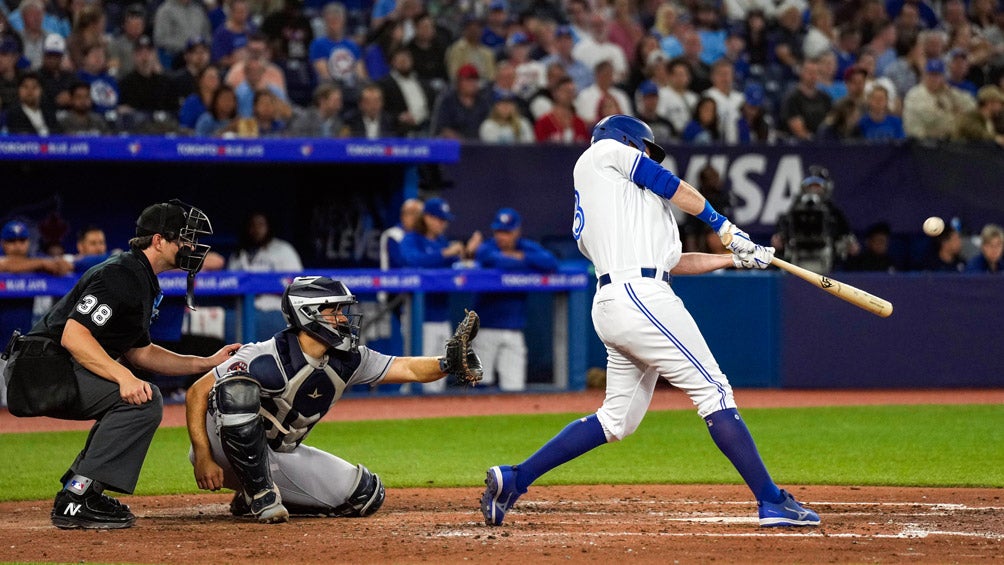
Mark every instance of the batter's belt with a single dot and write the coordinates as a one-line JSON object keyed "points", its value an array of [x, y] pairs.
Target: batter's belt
{"points": [[646, 272]]}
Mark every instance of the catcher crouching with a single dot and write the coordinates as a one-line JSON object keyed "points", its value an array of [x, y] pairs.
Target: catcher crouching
{"points": [[248, 417]]}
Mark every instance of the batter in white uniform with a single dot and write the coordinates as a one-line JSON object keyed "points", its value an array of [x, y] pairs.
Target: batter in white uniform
{"points": [[624, 225]]}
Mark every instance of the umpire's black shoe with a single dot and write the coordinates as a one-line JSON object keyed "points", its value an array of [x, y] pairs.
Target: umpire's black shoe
{"points": [[90, 511]]}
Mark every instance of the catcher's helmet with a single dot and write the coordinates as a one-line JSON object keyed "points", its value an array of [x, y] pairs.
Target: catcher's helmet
{"points": [[302, 302], [629, 131]]}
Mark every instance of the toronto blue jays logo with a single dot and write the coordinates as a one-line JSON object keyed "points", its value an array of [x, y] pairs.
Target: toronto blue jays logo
{"points": [[579, 220]]}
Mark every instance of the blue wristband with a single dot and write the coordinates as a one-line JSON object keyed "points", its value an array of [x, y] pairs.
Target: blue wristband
{"points": [[711, 217]]}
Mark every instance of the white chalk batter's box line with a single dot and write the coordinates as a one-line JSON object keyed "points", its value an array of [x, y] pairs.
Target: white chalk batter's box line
{"points": [[906, 533], [943, 506]]}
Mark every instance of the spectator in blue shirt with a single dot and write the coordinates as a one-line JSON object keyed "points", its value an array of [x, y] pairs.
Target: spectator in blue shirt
{"points": [[336, 57], [196, 103], [104, 88], [501, 344], [428, 248], [576, 70], [496, 28], [958, 70], [878, 124], [232, 37], [221, 116], [989, 258], [254, 81], [703, 126]]}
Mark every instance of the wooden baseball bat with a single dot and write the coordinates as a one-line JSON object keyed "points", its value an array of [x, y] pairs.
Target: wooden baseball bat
{"points": [[878, 306]]}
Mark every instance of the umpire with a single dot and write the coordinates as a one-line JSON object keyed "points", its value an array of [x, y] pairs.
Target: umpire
{"points": [[74, 363]]}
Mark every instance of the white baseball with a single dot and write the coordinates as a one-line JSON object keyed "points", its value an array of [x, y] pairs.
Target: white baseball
{"points": [[933, 226]]}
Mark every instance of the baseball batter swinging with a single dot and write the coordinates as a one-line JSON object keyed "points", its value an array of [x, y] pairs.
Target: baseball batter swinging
{"points": [[623, 224], [248, 417]]}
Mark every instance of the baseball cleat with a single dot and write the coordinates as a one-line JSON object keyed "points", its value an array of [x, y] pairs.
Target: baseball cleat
{"points": [[786, 513], [90, 511], [267, 507], [500, 494]]}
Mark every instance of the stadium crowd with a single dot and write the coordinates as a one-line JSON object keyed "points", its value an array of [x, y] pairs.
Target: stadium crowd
{"points": [[505, 71]]}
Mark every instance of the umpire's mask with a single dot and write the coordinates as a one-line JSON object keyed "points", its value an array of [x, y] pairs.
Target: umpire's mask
{"points": [[176, 220]]}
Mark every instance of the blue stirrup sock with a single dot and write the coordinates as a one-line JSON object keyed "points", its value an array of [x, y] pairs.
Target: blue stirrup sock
{"points": [[577, 438], [734, 440]]}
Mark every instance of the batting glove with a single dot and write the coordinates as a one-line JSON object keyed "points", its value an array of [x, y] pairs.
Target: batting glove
{"points": [[760, 258], [741, 242]]}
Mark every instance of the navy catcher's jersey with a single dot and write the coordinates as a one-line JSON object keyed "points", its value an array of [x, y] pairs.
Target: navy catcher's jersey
{"points": [[297, 392], [115, 300]]}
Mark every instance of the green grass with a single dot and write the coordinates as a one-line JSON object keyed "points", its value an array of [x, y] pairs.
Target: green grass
{"points": [[874, 445]]}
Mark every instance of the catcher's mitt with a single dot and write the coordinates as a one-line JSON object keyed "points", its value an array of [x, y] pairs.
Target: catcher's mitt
{"points": [[460, 361]]}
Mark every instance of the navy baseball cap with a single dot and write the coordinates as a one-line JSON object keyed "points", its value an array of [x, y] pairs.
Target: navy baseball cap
{"points": [[648, 88], [14, 230], [439, 208], [754, 94], [507, 219]]}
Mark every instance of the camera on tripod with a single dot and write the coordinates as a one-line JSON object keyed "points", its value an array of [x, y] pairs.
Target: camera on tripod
{"points": [[814, 233]]}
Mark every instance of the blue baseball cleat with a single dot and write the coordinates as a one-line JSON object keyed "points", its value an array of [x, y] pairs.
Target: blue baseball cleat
{"points": [[500, 494], [786, 513]]}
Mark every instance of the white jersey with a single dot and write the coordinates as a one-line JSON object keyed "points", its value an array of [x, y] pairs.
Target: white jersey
{"points": [[729, 111], [618, 225]]}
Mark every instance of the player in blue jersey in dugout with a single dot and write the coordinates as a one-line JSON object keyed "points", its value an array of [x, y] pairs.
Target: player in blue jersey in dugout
{"points": [[501, 343], [428, 248]]}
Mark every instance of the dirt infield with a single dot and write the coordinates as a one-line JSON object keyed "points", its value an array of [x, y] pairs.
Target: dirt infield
{"points": [[592, 524], [598, 524]]}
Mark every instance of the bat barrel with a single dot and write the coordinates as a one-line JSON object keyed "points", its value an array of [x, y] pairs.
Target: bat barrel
{"points": [[878, 306]]}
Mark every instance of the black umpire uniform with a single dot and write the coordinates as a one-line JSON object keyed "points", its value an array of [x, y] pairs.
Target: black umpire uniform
{"points": [[115, 301]]}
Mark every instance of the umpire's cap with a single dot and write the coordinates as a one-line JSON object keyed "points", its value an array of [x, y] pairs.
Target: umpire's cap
{"points": [[165, 218]]}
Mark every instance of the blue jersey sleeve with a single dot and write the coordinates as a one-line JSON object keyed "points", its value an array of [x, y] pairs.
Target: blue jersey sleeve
{"points": [[415, 254], [538, 258], [655, 177]]}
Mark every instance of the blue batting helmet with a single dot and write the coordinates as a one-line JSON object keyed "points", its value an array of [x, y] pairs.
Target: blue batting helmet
{"points": [[629, 131]]}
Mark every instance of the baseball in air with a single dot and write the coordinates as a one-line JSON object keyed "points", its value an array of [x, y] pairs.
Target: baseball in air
{"points": [[933, 226]]}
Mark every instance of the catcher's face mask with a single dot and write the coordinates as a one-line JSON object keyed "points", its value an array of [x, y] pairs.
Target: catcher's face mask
{"points": [[322, 307]]}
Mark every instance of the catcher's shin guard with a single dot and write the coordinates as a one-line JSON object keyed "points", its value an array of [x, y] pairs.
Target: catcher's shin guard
{"points": [[242, 432], [366, 498]]}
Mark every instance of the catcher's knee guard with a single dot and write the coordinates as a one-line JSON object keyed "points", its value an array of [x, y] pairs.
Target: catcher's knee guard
{"points": [[366, 498], [242, 434]]}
